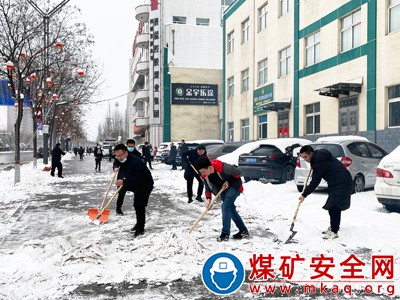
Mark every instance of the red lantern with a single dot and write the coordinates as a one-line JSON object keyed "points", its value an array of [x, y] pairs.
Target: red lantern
{"points": [[22, 54], [54, 96], [59, 45], [81, 72], [47, 101], [48, 81], [16, 104], [280, 131], [286, 131], [33, 76], [9, 86], [10, 65], [28, 81]]}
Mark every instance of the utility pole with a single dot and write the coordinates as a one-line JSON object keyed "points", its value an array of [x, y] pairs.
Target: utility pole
{"points": [[46, 38]]}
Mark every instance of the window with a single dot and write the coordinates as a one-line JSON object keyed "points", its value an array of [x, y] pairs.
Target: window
{"points": [[376, 151], [394, 105], [394, 15], [231, 42], [284, 7], [178, 20], [313, 119], [202, 21], [262, 17], [312, 49], [245, 129], [231, 87], [263, 71], [284, 62], [245, 80], [262, 127], [231, 132], [245, 31], [226, 2], [351, 31]]}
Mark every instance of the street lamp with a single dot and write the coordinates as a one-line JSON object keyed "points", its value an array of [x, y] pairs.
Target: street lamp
{"points": [[46, 20]]}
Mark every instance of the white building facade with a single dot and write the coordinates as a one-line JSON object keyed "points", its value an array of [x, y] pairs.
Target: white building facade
{"points": [[176, 71], [312, 68]]}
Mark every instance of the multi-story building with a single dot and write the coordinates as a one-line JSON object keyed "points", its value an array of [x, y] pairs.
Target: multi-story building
{"points": [[176, 71], [312, 68]]}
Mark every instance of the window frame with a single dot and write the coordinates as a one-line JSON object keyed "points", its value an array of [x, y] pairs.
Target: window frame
{"points": [[351, 29], [245, 30], [231, 131], [263, 17], [245, 80], [393, 98], [286, 59], [207, 23], [179, 22], [281, 10], [315, 48], [262, 70], [231, 41], [395, 5], [313, 116], [231, 86], [245, 129], [261, 123]]}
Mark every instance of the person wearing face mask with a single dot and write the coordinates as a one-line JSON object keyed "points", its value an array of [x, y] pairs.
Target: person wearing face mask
{"points": [[130, 144], [134, 176]]}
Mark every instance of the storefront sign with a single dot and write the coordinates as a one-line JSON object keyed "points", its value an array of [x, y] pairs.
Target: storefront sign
{"points": [[194, 94], [261, 97]]}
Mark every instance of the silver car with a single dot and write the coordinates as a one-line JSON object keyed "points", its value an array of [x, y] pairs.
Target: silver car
{"points": [[358, 155]]}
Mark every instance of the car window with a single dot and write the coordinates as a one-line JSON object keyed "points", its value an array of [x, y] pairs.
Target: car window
{"points": [[266, 150], [335, 149], [163, 146], [212, 148], [376, 152], [229, 149], [358, 149]]}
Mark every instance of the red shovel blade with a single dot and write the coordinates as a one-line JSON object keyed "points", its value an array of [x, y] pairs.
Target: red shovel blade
{"points": [[93, 214]]}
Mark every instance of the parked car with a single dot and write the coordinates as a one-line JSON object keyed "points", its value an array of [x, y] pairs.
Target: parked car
{"points": [[162, 148], [266, 160], [214, 151], [358, 155], [387, 185]]}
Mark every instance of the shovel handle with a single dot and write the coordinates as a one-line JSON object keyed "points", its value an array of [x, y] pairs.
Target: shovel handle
{"points": [[207, 209], [108, 190], [109, 201], [197, 172]]}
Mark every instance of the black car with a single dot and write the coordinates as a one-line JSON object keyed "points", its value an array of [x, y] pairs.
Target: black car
{"points": [[214, 151], [270, 160]]}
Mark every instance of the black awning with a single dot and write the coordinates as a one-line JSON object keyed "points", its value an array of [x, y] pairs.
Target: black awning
{"points": [[276, 105], [345, 88]]}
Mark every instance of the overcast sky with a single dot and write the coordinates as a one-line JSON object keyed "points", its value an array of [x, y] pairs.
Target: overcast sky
{"points": [[113, 25]]}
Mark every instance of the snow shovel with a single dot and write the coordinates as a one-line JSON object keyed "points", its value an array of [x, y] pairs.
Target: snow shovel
{"points": [[297, 209], [197, 172], [102, 216], [207, 209], [93, 212]]}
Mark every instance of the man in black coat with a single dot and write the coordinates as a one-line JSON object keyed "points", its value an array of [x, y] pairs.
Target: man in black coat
{"points": [[183, 149], [191, 157], [121, 195], [339, 180], [134, 176], [147, 154], [56, 154], [172, 155]]}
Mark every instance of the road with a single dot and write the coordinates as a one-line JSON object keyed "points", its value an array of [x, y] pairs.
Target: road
{"points": [[8, 158]]}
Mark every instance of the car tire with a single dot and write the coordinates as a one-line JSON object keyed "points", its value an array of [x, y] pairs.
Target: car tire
{"points": [[287, 174], [358, 184], [300, 188]]}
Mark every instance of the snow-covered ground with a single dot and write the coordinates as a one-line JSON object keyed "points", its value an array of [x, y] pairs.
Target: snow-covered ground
{"points": [[79, 253]]}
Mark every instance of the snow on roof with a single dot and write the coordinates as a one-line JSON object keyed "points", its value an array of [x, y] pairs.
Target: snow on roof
{"points": [[342, 138], [281, 144]]}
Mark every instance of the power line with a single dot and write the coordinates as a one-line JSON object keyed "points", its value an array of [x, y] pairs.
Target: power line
{"points": [[105, 100]]}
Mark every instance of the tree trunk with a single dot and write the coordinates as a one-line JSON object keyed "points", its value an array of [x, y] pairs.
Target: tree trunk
{"points": [[17, 129]]}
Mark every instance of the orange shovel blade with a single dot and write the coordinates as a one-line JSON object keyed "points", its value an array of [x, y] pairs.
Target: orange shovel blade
{"points": [[104, 216], [93, 213]]}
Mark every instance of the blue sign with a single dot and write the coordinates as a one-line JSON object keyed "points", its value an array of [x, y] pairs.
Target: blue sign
{"points": [[223, 273], [6, 97]]}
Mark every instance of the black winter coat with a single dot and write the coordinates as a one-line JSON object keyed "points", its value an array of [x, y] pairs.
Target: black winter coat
{"points": [[117, 163], [173, 152], [56, 154], [146, 152], [137, 177], [339, 179]]}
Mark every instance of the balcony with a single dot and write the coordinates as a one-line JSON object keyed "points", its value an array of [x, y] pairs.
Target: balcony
{"points": [[142, 12], [141, 95], [138, 114], [142, 122], [142, 40], [142, 67]]}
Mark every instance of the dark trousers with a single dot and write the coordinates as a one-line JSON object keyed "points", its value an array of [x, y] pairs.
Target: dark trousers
{"points": [[189, 176], [173, 163], [335, 214], [148, 160], [54, 165], [98, 163], [120, 199], [140, 201]]}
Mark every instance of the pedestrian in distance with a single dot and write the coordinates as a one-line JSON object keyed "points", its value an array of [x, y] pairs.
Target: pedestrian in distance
{"points": [[172, 155], [98, 156], [134, 176], [183, 147], [155, 153], [56, 155], [147, 154], [340, 185], [121, 195], [81, 151], [219, 175], [110, 151], [191, 157]]}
